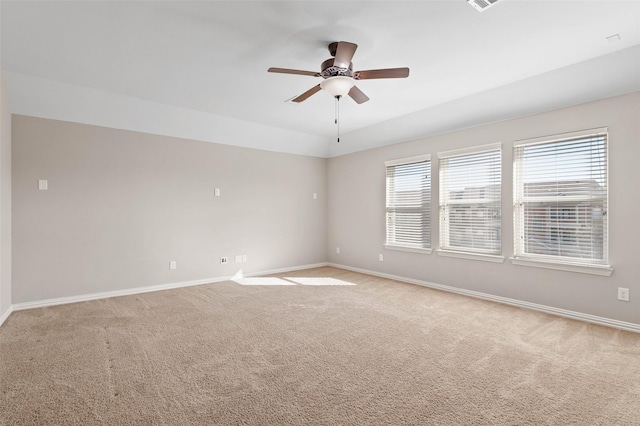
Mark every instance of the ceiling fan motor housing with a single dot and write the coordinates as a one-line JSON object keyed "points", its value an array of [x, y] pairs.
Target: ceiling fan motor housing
{"points": [[330, 70]]}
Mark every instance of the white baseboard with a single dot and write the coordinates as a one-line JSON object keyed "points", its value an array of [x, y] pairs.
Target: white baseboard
{"points": [[513, 302], [146, 289], [628, 326], [6, 315]]}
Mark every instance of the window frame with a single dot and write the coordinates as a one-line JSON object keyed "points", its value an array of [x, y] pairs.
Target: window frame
{"points": [[550, 261], [445, 249], [392, 245]]}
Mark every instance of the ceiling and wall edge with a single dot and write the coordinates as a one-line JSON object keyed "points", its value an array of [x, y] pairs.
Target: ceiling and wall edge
{"points": [[44, 98], [606, 76], [603, 77]]}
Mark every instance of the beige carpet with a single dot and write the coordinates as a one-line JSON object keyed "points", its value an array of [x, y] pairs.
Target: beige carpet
{"points": [[321, 346]]}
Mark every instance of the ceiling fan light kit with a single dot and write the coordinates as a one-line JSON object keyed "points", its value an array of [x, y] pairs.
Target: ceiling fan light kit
{"points": [[337, 86]]}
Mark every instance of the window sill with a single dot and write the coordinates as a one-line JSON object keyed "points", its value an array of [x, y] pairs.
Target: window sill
{"points": [[471, 256], [409, 249], [603, 270]]}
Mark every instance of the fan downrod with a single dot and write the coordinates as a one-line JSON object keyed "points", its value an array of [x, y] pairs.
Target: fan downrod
{"points": [[333, 47]]}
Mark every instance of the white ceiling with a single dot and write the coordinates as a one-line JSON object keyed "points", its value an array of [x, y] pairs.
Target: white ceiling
{"points": [[198, 69]]}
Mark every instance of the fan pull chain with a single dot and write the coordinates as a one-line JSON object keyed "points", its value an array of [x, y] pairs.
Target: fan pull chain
{"points": [[337, 121]]}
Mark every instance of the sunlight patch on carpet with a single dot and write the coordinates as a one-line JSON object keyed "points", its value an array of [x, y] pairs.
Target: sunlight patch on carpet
{"points": [[262, 281], [307, 281], [318, 281]]}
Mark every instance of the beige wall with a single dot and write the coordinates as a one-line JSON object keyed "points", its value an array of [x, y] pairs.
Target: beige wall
{"points": [[121, 205], [356, 214], [5, 200]]}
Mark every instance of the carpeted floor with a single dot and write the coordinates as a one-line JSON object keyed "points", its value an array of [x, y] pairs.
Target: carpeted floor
{"points": [[321, 346]]}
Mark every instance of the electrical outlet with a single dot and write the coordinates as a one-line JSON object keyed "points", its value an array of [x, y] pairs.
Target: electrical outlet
{"points": [[337, 250], [173, 265], [239, 258], [380, 257], [224, 259], [244, 258], [623, 294]]}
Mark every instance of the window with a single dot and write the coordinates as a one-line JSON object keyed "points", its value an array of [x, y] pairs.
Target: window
{"points": [[409, 204], [470, 200], [560, 198]]}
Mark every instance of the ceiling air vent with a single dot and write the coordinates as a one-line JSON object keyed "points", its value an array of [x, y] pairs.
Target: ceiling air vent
{"points": [[481, 5]]}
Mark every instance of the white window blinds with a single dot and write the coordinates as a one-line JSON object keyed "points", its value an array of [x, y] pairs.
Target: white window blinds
{"points": [[409, 202], [560, 198], [470, 200]]}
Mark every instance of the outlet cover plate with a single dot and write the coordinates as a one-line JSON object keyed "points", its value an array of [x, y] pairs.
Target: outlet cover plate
{"points": [[623, 294]]}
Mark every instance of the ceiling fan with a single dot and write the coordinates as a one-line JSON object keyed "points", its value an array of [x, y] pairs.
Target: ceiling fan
{"points": [[339, 79]]}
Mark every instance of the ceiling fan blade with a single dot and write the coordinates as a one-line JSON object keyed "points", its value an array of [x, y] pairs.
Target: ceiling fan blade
{"points": [[308, 93], [298, 72], [357, 95], [344, 54], [384, 73]]}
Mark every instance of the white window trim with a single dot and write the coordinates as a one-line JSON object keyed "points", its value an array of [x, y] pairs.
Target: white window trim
{"points": [[560, 137], [463, 254], [409, 160], [603, 270], [471, 256], [471, 150], [399, 162], [559, 264], [408, 249]]}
